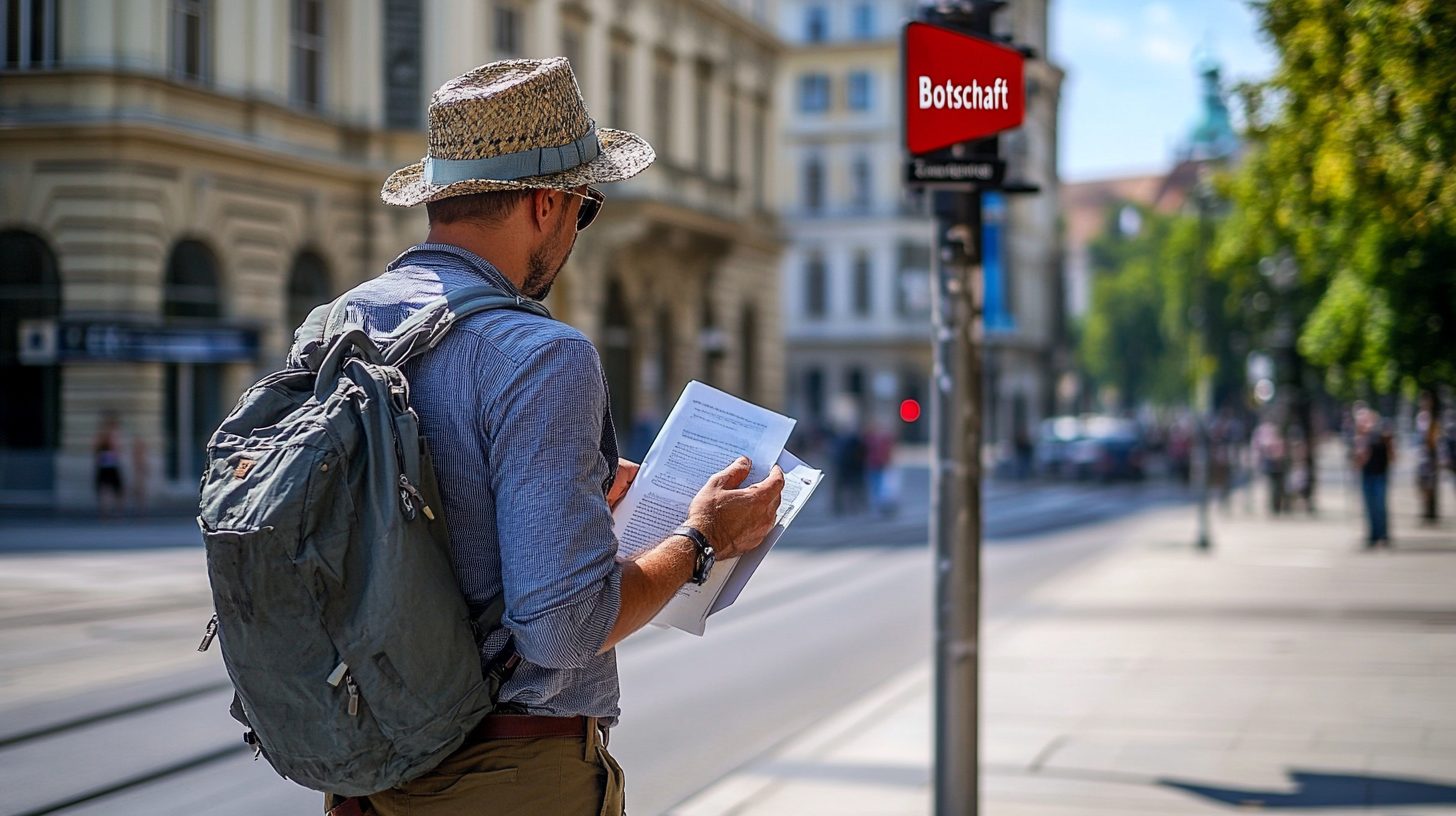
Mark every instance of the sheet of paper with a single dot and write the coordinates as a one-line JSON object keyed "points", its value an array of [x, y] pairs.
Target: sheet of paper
{"points": [[799, 483], [690, 607], [706, 430]]}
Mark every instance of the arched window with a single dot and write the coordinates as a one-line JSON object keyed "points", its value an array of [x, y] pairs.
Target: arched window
{"points": [[308, 286], [30, 414], [666, 372], [748, 348], [193, 390], [618, 358], [192, 288], [711, 341]]}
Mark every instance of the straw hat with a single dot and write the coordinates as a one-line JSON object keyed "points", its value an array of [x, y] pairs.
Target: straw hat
{"points": [[514, 125]]}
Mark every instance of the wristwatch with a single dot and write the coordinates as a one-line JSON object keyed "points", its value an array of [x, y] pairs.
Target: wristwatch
{"points": [[704, 563]]}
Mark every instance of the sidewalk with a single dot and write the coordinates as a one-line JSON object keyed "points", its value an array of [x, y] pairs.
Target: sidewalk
{"points": [[1287, 669]]}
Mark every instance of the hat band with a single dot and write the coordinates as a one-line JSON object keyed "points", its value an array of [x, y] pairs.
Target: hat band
{"points": [[537, 161]]}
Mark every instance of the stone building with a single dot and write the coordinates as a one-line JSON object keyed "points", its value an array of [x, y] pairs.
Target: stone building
{"points": [[181, 180], [857, 274]]}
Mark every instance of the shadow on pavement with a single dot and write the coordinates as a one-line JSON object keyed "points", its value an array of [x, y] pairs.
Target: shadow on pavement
{"points": [[1314, 789]]}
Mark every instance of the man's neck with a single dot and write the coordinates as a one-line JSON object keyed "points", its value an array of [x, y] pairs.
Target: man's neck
{"points": [[497, 247]]}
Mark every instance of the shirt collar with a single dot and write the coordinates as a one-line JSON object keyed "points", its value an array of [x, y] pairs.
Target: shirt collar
{"points": [[474, 263]]}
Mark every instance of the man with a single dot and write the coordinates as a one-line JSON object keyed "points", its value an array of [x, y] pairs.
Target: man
{"points": [[516, 410], [1374, 453]]}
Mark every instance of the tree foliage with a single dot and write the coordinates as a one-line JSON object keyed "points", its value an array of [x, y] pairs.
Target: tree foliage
{"points": [[1350, 169], [1156, 323]]}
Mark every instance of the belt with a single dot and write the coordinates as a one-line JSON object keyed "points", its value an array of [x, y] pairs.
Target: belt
{"points": [[527, 726]]}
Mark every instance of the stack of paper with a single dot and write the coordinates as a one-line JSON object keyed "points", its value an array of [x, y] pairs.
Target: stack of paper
{"points": [[705, 432]]}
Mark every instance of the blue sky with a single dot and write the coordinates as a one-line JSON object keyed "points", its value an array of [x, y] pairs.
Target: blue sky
{"points": [[1131, 93]]}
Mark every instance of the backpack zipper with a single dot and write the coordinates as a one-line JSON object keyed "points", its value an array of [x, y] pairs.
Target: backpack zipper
{"points": [[353, 694], [407, 493], [209, 634]]}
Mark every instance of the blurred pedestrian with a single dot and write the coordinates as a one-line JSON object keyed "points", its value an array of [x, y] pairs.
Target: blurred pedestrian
{"points": [[1448, 442], [1024, 450], [1428, 462], [106, 456], [880, 467], [849, 471], [1221, 442], [1374, 454], [1273, 462]]}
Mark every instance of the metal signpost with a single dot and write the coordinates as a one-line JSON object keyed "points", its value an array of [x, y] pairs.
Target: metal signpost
{"points": [[960, 88]]}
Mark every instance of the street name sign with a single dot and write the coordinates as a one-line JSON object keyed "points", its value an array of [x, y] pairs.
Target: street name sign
{"points": [[979, 172], [958, 88]]}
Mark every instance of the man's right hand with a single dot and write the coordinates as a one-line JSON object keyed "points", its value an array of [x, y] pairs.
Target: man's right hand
{"points": [[736, 519]]}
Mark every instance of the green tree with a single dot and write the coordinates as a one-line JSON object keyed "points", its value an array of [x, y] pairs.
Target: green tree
{"points": [[1352, 143], [1155, 322]]}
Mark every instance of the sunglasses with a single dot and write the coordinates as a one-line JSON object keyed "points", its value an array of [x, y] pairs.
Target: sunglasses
{"points": [[591, 207]]}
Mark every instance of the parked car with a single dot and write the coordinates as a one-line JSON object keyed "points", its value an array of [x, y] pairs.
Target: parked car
{"points": [[1106, 448], [1054, 437]]}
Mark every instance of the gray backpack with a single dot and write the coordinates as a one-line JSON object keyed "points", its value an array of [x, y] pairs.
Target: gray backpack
{"points": [[354, 656]]}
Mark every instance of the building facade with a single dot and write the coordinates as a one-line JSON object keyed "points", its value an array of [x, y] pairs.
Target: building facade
{"points": [[182, 180], [857, 273]]}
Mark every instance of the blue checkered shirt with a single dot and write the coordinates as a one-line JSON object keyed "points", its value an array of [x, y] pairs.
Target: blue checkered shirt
{"points": [[515, 410]]}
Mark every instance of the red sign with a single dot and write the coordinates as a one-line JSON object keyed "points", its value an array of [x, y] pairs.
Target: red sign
{"points": [[958, 88]]}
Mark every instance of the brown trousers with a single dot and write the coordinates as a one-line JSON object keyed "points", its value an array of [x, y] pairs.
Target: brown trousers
{"points": [[539, 776]]}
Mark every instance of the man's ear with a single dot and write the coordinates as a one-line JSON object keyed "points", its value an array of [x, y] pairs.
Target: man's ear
{"points": [[544, 204]]}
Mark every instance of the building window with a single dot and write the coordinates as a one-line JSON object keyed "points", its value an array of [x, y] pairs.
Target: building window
{"points": [[194, 407], [617, 83], [760, 153], [571, 47], [816, 23], [912, 290], [816, 286], [813, 185], [862, 283], [813, 93], [814, 393], [308, 53], [662, 106], [191, 40], [748, 344], [32, 34], [864, 21], [30, 412], [864, 192], [860, 91], [666, 372], [308, 286], [403, 74], [732, 136], [854, 386], [507, 30], [702, 103]]}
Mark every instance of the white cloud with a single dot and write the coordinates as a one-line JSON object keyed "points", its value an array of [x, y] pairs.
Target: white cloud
{"points": [[1162, 38]]}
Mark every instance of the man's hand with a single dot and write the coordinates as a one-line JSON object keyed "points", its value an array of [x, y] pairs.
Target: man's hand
{"points": [[736, 520], [626, 472]]}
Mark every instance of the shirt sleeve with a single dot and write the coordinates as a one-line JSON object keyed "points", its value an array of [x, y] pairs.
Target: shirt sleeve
{"points": [[558, 552]]}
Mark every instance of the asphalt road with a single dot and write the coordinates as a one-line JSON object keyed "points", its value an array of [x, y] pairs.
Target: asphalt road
{"points": [[104, 711]]}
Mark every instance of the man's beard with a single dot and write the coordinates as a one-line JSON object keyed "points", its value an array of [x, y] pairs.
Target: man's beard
{"points": [[539, 274]]}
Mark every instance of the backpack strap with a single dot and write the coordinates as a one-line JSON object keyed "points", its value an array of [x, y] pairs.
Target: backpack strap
{"points": [[483, 621], [424, 329]]}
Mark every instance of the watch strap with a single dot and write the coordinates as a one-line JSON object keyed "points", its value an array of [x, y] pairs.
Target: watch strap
{"points": [[703, 564]]}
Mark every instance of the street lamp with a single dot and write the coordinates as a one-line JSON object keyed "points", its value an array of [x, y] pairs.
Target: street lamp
{"points": [[1202, 388]]}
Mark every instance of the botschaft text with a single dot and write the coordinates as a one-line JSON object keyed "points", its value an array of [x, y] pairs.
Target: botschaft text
{"points": [[974, 96]]}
